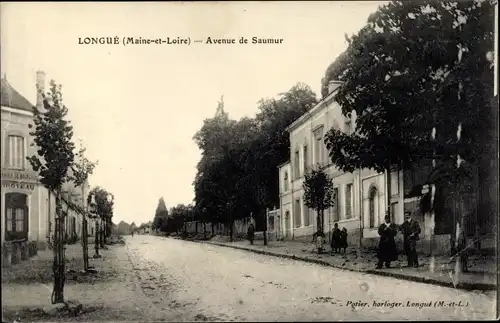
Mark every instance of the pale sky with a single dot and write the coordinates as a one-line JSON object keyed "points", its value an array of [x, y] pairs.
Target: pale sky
{"points": [[137, 107]]}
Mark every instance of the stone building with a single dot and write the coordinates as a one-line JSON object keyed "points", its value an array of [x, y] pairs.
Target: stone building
{"points": [[360, 196], [27, 208]]}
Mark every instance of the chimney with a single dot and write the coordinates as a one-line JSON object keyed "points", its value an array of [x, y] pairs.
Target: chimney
{"points": [[333, 85], [40, 88]]}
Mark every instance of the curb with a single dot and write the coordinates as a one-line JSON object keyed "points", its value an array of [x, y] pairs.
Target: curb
{"points": [[424, 280]]}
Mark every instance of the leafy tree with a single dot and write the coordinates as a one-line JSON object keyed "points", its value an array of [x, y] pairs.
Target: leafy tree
{"points": [[81, 171], [54, 157], [237, 174], [103, 207], [318, 193], [414, 75], [161, 215]]}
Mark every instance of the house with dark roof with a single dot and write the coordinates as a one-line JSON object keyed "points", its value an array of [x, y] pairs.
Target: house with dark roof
{"points": [[27, 209], [21, 209]]}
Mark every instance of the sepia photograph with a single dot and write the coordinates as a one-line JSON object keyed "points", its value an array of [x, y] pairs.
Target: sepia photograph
{"points": [[265, 161]]}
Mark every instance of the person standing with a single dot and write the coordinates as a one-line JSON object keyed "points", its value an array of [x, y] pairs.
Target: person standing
{"points": [[251, 233], [387, 251], [343, 239], [335, 243], [411, 231]]}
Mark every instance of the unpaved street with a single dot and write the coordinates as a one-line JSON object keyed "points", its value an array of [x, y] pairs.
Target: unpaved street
{"points": [[194, 281]]}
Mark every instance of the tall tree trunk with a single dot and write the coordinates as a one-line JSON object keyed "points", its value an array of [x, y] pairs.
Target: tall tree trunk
{"points": [[59, 263], [85, 241], [322, 220], [96, 243], [101, 239], [318, 220], [49, 231]]}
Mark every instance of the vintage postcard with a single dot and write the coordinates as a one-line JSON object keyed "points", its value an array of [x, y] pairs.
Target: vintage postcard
{"points": [[249, 161]]}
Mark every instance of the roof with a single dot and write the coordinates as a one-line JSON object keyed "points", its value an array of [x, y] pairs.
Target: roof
{"points": [[9, 97], [308, 114]]}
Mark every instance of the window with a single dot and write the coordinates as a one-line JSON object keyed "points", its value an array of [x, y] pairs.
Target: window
{"points": [[336, 213], [348, 201], [297, 164], [307, 219], [305, 158], [285, 182], [372, 205], [318, 145], [15, 155], [317, 151], [298, 214], [16, 219]]}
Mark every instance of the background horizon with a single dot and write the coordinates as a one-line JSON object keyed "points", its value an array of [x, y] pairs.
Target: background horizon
{"points": [[137, 108]]}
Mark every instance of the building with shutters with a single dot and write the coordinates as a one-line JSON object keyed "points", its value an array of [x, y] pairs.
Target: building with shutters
{"points": [[22, 195], [360, 196], [27, 208]]}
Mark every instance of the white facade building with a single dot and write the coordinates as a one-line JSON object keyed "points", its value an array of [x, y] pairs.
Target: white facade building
{"points": [[360, 196], [27, 212]]}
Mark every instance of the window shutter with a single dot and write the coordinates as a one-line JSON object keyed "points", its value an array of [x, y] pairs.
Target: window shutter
{"points": [[6, 148]]}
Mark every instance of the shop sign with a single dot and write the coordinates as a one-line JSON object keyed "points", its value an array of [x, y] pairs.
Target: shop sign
{"points": [[18, 185], [19, 176]]}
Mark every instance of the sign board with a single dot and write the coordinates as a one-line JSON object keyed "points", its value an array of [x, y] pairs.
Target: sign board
{"points": [[19, 176], [19, 179], [18, 185]]}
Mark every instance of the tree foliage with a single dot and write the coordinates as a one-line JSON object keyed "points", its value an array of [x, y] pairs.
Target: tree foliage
{"points": [[319, 193], [82, 167], [161, 215], [178, 215], [52, 136], [414, 75], [102, 207], [237, 173]]}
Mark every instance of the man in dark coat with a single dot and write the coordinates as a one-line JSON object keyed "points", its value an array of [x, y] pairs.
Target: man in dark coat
{"points": [[387, 251], [411, 231], [343, 239], [251, 233], [335, 242]]}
